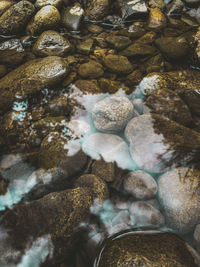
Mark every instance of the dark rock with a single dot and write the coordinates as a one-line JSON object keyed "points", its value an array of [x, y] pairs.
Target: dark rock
{"points": [[72, 16], [91, 70], [59, 106], [97, 9], [88, 86], [134, 31], [118, 42], [4, 5], [134, 78], [109, 86], [138, 49], [3, 71], [118, 64], [104, 170], [175, 8]]}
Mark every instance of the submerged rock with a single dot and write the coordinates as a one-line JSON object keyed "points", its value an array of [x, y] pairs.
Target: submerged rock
{"points": [[138, 49], [180, 196], [112, 113], [4, 5], [14, 20], [30, 78], [72, 16], [118, 64], [105, 170], [91, 70], [157, 19], [97, 9], [145, 249], [118, 42], [132, 9]]}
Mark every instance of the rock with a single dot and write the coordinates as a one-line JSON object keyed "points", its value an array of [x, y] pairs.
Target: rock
{"points": [[118, 64], [108, 146], [112, 87], [51, 43], [197, 38], [78, 129], [138, 105], [112, 113], [175, 8], [145, 248], [3, 71], [148, 38], [30, 78], [88, 86], [157, 143], [133, 9], [91, 70], [134, 31], [169, 104], [12, 52], [192, 2], [134, 78], [118, 42], [173, 47], [58, 215], [72, 16], [157, 19], [48, 17], [197, 237], [14, 20], [41, 3], [104, 170], [144, 214], [138, 49], [179, 196], [157, 3], [140, 184], [97, 9], [95, 185], [59, 106], [85, 46], [4, 5]]}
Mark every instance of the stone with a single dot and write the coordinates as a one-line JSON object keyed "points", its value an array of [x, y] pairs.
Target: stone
{"points": [[3, 70], [147, 38], [138, 105], [197, 237], [157, 143], [169, 104], [175, 8], [12, 52], [51, 43], [108, 146], [91, 70], [4, 5], [140, 184], [72, 16], [85, 46], [157, 3], [14, 20], [178, 191], [118, 42], [138, 49], [59, 106], [97, 186], [112, 113], [143, 214], [48, 17], [104, 170], [97, 9], [134, 31], [134, 78], [173, 47], [192, 2], [58, 151], [88, 86], [78, 129], [145, 248], [31, 77], [41, 3], [157, 19], [112, 87], [118, 64], [133, 9]]}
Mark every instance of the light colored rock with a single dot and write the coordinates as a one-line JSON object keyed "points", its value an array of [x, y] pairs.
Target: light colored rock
{"points": [[41, 3]]}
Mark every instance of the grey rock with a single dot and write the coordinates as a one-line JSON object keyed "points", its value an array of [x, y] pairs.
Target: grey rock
{"points": [[133, 9], [72, 16]]}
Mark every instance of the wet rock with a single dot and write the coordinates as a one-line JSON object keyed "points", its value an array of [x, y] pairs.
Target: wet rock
{"points": [[197, 237], [109, 86], [133, 9], [157, 143], [134, 31], [148, 38], [72, 16], [41, 3], [175, 8], [3, 187], [59, 106], [138, 49], [134, 78], [144, 214], [118, 64], [31, 77], [91, 70], [95, 29], [12, 52], [78, 128], [112, 113], [138, 105], [58, 214], [173, 48], [14, 20], [57, 151], [97, 9], [118, 42], [169, 104], [51, 43], [3, 71], [157, 3], [179, 196], [105, 170], [157, 19], [192, 2], [197, 50], [48, 17], [88, 86], [108, 146], [85, 46], [140, 184], [97, 187], [146, 249], [4, 5]]}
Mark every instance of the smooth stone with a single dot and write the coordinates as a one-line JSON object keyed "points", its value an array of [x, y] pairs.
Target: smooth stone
{"points": [[12, 52], [118, 42], [3, 70], [138, 105], [145, 248], [112, 113], [179, 196], [41, 3], [173, 47], [108, 146], [85, 46], [138, 49], [143, 214], [47, 18], [112, 87], [118, 64], [91, 70], [51, 43], [31, 77], [134, 31], [14, 20], [140, 184], [4, 5], [157, 19], [72, 16], [97, 9], [105, 170]]}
